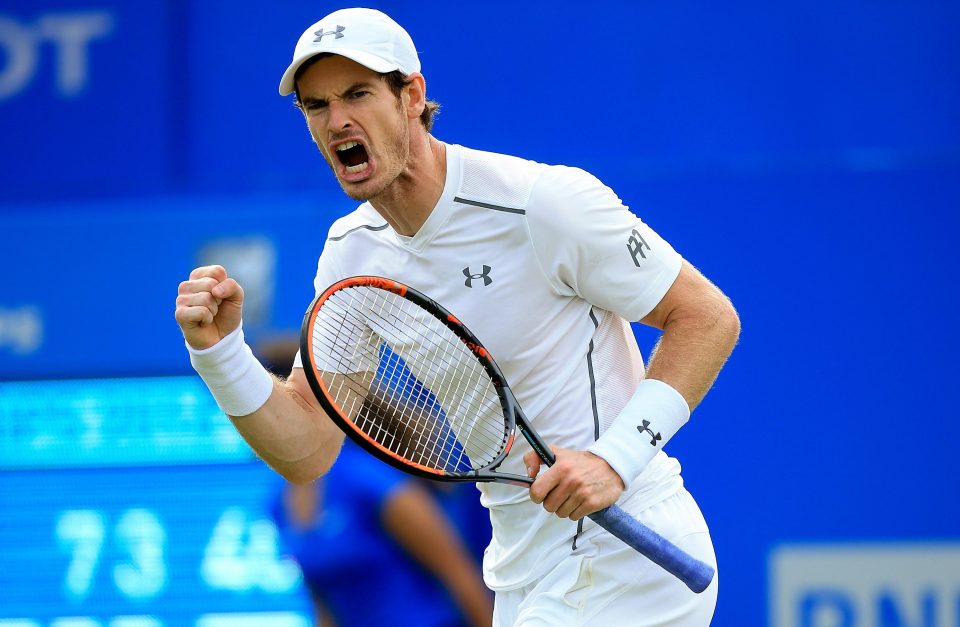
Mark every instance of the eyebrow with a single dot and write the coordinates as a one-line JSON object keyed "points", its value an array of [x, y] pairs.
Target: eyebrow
{"points": [[352, 88]]}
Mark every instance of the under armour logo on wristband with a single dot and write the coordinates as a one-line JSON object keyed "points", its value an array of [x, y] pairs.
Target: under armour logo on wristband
{"points": [[645, 426]]}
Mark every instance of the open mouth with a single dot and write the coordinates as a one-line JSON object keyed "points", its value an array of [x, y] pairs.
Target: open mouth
{"points": [[352, 155]]}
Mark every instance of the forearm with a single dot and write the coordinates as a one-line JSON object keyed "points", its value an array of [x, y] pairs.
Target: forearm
{"points": [[473, 598], [463, 581], [695, 344], [421, 527], [700, 328], [291, 434], [281, 420]]}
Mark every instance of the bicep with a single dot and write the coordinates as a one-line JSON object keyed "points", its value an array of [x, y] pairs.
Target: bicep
{"points": [[690, 292]]}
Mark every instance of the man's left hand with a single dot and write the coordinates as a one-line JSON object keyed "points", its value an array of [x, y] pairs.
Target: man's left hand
{"points": [[578, 484]]}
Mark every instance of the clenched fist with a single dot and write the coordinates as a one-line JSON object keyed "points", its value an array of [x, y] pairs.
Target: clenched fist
{"points": [[209, 306]]}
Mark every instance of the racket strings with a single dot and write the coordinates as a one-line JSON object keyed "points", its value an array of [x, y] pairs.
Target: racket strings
{"points": [[412, 405], [428, 437], [453, 394], [407, 381]]}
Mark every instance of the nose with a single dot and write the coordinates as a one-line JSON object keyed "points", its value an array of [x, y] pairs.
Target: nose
{"points": [[338, 118]]}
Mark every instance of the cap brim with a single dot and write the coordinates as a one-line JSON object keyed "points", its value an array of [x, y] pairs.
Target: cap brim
{"points": [[362, 57]]}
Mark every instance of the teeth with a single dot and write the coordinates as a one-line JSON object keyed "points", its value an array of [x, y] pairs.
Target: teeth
{"points": [[352, 169], [347, 146]]}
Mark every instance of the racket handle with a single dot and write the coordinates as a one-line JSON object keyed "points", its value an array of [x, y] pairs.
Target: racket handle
{"points": [[695, 574]]}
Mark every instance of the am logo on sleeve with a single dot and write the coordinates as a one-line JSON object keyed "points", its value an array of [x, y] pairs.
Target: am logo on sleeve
{"points": [[636, 244]]}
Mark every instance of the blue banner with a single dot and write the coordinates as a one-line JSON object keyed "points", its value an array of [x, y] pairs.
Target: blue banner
{"points": [[111, 422]]}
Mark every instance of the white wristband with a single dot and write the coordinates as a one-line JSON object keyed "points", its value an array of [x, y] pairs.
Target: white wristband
{"points": [[652, 416], [238, 382]]}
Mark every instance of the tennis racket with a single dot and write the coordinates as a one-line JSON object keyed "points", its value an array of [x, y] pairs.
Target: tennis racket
{"points": [[405, 379]]}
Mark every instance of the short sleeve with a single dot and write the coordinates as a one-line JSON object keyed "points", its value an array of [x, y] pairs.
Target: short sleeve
{"points": [[589, 244]]}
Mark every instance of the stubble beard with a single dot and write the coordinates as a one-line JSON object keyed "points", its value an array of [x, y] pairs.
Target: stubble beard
{"points": [[396, 152]]}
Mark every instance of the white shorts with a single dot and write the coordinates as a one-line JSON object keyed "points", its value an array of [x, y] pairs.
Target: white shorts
{"points": [[605, 583]]}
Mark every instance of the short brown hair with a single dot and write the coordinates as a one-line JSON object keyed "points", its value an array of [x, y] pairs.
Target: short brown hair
{"points": [[395, 80]]}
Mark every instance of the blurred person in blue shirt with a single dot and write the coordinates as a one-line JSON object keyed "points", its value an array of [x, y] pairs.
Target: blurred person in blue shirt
{"points": [[376, 548], [379, 547]]}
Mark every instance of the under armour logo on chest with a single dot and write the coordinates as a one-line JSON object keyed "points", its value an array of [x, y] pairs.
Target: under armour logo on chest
{"points": [[337, 34], [471, 277], [645, 426]]}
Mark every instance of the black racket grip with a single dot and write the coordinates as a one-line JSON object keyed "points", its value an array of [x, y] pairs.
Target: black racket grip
{"points": [[695, 574]]}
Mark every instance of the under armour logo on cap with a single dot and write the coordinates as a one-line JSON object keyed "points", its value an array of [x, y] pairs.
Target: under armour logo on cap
{"points": [[338, 33], [375, 42]]}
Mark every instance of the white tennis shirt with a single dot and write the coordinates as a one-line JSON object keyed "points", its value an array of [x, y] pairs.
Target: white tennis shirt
{"points": [[546, 266]]}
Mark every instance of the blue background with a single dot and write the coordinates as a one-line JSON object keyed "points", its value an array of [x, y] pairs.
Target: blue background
{"points": [[805, 156]]}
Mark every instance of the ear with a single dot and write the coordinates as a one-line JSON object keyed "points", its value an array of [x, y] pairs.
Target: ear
{"points": [[415, 95], [296, 102]]}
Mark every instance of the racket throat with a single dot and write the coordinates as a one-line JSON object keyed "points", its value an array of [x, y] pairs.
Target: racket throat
{"points": [[539, 446], [484, 476]]}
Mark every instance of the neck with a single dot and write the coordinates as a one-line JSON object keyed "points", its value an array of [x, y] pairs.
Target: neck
{"points": [[407, 202]]}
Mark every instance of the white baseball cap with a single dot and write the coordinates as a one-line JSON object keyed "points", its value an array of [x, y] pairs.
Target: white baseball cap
{"points": [[366, 36]]}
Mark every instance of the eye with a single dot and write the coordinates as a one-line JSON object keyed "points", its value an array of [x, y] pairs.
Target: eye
{"points": [[313, 105], [360, 93]]}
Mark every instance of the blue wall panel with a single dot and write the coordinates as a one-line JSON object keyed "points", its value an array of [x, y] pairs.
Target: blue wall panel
{"points": [[85, 102], [101, 278]]}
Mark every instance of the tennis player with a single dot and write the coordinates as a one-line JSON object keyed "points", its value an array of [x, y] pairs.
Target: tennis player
{"points": [[547, 266]]}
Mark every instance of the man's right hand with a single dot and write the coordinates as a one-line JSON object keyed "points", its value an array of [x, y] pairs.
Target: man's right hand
{"points": [[209, 306]]}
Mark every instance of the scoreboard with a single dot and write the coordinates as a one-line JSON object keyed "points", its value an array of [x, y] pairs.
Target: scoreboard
{"points": [[134, 503]]}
